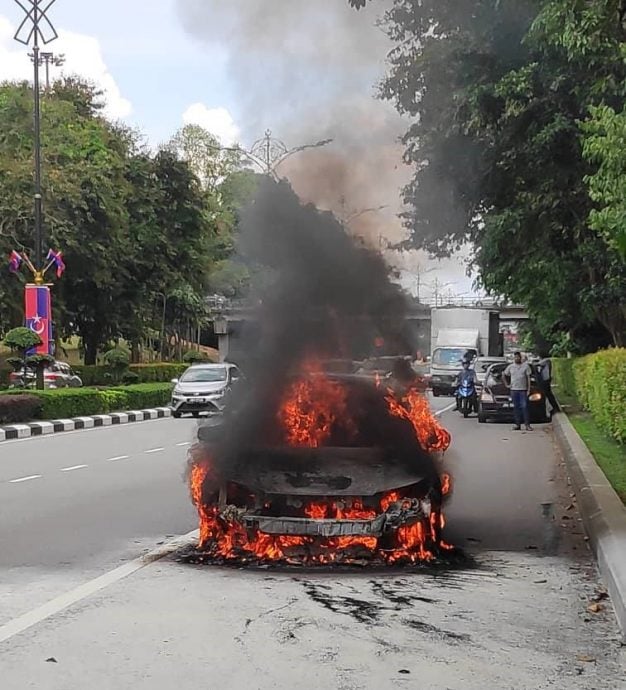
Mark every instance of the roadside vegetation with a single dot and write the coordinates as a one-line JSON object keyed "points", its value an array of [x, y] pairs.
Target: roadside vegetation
{"points": [[592, 391]]}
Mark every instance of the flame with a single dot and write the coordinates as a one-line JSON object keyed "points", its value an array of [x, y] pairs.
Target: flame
{"points": [[311, 406], [414, 407]]}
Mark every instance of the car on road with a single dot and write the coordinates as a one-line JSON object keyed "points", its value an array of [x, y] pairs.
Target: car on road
{"points": [[203, 388], [495, 398], [482, 364], [56, 375]]}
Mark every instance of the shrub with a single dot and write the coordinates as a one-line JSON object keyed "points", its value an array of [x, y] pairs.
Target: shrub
{"points": [[117, 360], [129, 377], [19, 408], [563, 375], [194, 356], [146, 395], [78, 402], [601, 388], [95, 375]]}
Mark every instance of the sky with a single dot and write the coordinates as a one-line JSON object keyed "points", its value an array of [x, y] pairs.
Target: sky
{"points": [[306, 69]]}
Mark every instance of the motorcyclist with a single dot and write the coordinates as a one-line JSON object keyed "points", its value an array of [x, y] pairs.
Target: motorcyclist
{"points": [[467, 376]]}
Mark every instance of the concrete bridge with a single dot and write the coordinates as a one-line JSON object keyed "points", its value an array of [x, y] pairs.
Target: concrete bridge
{"points": [[228, 318]]}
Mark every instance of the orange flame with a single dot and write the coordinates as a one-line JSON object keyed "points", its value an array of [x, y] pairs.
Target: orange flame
{"points": [[414, 407], [311, 407]]}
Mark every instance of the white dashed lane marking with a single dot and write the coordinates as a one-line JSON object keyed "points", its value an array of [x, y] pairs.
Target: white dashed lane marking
{"points": [[74, 467], [184, 443], [154, 450], [25, 479], [118, 457]]}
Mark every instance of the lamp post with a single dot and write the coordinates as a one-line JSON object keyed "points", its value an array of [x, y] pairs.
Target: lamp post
{"points": [[268, 152], [36, 29], [48, 59]]}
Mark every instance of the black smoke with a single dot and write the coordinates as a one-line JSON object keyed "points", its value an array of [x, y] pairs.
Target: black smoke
{"points": [[317, 294]]}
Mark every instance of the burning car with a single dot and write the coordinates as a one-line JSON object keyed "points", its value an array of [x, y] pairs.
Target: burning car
{"points": [[336, 470]]}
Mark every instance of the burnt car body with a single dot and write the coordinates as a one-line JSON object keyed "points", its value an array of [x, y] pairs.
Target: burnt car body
{"points": [[495, 398], [365, 485]]}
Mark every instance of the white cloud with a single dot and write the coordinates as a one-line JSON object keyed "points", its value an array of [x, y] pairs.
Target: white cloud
{"points": [[218, 121], [83, 56]]}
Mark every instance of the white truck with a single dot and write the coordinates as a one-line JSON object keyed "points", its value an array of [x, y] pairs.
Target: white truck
{"points": [[455, 333]]}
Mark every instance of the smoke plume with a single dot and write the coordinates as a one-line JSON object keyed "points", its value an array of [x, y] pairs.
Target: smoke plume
{"points": [[320, 294], [308, 69]]}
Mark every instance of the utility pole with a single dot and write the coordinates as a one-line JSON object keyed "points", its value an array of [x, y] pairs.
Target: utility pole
{"points": [[36, 28]]}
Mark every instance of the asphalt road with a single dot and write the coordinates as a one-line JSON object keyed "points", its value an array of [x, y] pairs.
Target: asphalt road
{"points": [[518, 620], [77, 504]]}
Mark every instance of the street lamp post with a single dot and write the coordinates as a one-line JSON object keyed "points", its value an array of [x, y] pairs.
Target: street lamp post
{"points": [[268, 152], [36, 28], [48, 59]]}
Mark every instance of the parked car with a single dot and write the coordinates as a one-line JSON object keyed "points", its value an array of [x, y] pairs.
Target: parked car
{"points": [[202, 388], [56, 375], [482, 364], [495, 398]]}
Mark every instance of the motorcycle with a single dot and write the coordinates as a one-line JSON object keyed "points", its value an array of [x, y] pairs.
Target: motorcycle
{"points": [[466, 397]]}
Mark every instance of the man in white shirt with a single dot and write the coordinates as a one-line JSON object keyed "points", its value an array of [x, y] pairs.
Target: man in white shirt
{"points": [[517, 378]]}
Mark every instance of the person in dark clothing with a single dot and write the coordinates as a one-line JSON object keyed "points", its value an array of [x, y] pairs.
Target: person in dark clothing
{"points": [[545, 381]]}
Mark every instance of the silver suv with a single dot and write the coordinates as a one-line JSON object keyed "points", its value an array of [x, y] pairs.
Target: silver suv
{"points": [[202, 388]]}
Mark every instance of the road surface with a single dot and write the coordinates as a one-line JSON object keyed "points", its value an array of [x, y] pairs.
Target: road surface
{"points": [[519, 620], [74, 505]]}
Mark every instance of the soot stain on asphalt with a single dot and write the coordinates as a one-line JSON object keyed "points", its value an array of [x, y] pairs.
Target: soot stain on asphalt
{"points": [[434, 630], [402, 599], [361, 610]]}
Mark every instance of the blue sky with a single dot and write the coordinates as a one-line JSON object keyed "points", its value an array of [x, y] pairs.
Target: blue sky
{"points": [[156, 66], [305, 68]]}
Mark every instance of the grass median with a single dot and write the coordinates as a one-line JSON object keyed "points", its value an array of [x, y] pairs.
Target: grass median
{"points": [[610, 455], [77, 402]]}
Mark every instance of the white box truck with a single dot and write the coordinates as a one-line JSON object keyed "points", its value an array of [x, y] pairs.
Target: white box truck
{"points": [[455, 333]]}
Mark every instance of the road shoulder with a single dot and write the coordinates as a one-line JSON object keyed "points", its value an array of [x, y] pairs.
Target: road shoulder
{"points": [[603, 514]]}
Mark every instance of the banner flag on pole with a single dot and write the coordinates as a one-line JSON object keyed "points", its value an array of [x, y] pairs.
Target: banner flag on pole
{"points": [[15, 261], [38, 316]]}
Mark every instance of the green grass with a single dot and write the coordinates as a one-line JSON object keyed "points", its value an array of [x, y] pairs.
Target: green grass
{"points": [[610, 455]]}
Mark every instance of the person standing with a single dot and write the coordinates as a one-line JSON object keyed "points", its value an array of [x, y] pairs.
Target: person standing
{"points": [[517, 378], [545, 379]]}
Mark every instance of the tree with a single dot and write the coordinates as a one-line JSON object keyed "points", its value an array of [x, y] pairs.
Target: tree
{"points": [[23, 340], [497, 90], [209, 161], [131, 223], [604, 145]]}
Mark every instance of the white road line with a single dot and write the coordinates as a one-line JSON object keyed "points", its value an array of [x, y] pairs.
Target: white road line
{"points": [[74, 467], [118, 457], [451, 406], [25, 479], [27, 620], [154, 450], [184, 443]]}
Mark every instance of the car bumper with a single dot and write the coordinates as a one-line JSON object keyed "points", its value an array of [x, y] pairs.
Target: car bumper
{"points": [[184, 404]]}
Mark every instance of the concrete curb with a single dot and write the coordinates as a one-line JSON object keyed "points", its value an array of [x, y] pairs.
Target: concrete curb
{"points": [[603, 513], [56, 426]]}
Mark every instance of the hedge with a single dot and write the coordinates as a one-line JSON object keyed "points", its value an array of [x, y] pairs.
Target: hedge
{"points": [[599, 384], [563, 376], [77, 402], [99, 375], [18, 408]]}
